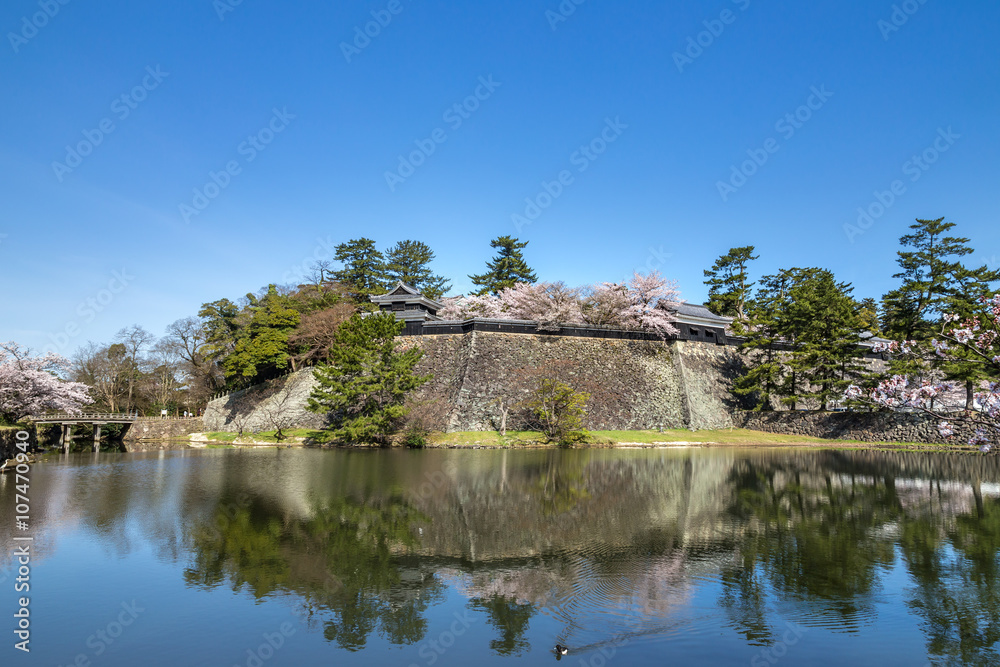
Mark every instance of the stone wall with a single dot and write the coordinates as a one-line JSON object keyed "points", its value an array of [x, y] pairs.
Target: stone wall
{"points": [[152, 433], [633, 384], [256, 408], [864, 426]]}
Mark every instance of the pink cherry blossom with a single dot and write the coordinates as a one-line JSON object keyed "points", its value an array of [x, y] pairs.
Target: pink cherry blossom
{"points": [[31, 385]]}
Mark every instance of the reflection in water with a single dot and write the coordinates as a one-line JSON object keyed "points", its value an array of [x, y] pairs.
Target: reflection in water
{"points": [[608, 547]]}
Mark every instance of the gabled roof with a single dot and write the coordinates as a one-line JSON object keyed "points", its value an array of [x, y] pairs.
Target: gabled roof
{"points": [[403, 293], [688, 312]]}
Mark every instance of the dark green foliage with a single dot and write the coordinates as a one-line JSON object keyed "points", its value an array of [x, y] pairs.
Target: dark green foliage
{"points": [[363, 273], [934, 281], [366, 382], [560, 411], [262, 344], [507, 268], [409, 261], [221, 327], [802, 339], [728, 284]]}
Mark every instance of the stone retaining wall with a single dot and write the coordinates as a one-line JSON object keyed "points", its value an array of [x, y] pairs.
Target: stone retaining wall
{"points": [[152, 433], [633, 384], [863, 426]]}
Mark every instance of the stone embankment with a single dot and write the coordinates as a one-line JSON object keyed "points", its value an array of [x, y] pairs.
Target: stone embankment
{"points": [[863, 426], [632, 384], [152, 433]]}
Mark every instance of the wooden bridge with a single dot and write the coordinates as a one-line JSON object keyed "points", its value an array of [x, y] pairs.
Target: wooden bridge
{"points": [[68, 421]]}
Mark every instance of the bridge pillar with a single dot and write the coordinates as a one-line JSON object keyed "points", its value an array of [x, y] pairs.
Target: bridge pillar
{"points": [[67, 440], [97, 437]]}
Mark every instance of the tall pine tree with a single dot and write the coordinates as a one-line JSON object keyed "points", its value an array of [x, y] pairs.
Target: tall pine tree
{"points": [[364, 386], [409, 261], [363, 270], [729, 286], [507, 268]]}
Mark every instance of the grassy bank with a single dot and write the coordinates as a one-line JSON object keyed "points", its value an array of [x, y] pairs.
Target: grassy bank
{"points": [[516, 439]]}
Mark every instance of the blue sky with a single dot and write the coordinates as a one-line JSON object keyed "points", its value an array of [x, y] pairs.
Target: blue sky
{"points": [[308, 117]]}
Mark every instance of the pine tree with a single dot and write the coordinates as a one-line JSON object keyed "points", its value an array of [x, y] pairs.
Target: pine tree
{"points": [[802, 339], [363, 270], [729, 286], [932, 277], [762, 378], [365, 385], [822, 319], [409, 261], [507, 268]]}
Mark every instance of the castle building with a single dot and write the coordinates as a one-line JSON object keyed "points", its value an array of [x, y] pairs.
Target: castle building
{"points": [[420, 316]]}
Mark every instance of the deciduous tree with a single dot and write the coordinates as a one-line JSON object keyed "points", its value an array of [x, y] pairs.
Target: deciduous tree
{"points": [[30, 385]]}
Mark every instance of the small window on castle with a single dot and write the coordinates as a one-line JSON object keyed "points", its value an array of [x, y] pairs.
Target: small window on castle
{"points": [[710, 334], [695, 332]]}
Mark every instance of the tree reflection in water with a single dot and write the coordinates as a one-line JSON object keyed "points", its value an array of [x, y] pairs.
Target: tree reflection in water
{"points": [[811, 534], [344, 562]]}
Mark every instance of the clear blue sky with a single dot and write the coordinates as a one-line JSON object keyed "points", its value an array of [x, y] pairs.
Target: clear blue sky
{"points": [[679, 128]]}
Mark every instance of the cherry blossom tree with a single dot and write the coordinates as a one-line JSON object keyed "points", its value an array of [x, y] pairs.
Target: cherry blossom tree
{"points": [[977, 338], [549, 304], [645, 302], [30, 385]]}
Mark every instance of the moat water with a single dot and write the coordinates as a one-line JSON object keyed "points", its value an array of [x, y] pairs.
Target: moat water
{"points": [[447, 557]]}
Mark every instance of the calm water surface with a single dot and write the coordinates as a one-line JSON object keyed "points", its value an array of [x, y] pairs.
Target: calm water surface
{"points": [[627, 557]]}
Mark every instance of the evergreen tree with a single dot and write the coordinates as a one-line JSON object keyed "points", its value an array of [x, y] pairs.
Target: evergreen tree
{"points": [[221, 328], [822, 319], [761, 380], [409, 261], [802, 339], [728, 284], [261, 349], [507, 268], [932, 279], [366, 383], [363, 270]]}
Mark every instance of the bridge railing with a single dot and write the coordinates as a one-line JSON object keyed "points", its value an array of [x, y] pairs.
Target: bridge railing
{"points": [[83, 416]]}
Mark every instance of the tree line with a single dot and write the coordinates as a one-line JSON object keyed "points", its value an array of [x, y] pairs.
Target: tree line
{"points": [[803, 328]]}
